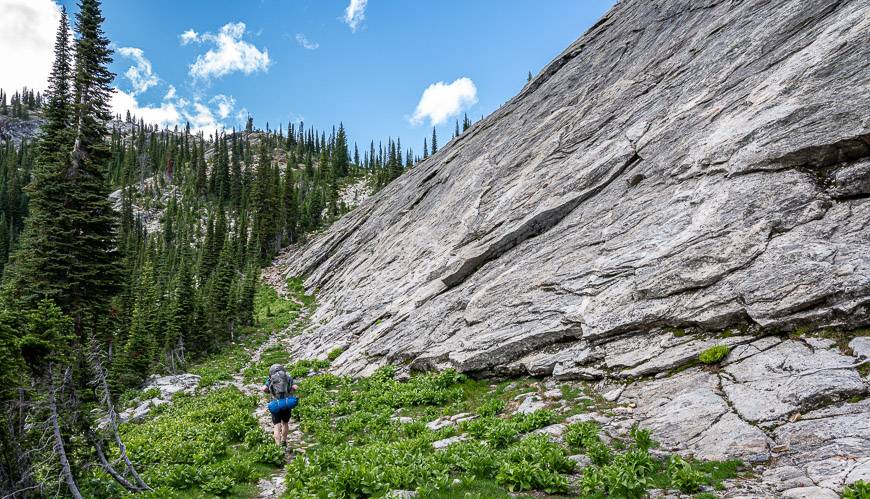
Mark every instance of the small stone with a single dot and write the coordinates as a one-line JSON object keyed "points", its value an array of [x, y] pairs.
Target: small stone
{"points": [[401, 494], [462, 415], [553, 394], [589, 416], [824, 343], [524, 395], [530, 405], [810, 493], [554, 431], [614, 394], [444, 443], [442, 422], [582, 461], [861, 347]]}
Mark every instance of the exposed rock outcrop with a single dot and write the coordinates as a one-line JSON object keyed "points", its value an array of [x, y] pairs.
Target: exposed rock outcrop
{"points": [[684, 164], [683, 167]]}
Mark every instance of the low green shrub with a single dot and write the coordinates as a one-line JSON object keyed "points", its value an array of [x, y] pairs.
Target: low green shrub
{"points": [[334, 353], [582, 435], [713, 354], [492, 406], [684, 476], [857, 490], [208, 443]]}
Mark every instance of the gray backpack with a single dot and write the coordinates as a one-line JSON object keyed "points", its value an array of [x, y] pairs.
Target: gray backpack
{"points": [[279, 381]]}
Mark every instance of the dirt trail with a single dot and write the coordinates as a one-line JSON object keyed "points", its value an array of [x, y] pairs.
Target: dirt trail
{"points": [[274, 486]]}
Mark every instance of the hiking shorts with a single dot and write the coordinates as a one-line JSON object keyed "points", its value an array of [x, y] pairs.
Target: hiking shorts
{"points": [[281, 416]]}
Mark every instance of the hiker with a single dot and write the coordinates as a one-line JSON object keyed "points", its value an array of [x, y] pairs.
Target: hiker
{"points": [[279, 385]]}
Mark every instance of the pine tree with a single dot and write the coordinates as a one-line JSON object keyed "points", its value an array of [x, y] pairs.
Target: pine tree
{"points": [[134, 362], [434, 141]]}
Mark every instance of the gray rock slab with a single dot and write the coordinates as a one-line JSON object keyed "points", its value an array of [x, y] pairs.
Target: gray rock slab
{"points": [[787, 378]]}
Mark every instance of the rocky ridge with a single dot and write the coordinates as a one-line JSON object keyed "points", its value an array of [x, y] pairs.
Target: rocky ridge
{"points": [[685, 175]]}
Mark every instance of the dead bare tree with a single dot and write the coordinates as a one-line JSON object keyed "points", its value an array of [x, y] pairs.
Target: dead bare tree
{"points": [[102, 386], [58, 437]]}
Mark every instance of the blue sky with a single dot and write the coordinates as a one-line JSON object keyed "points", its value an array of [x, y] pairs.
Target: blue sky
{"points": [[369, 70]]}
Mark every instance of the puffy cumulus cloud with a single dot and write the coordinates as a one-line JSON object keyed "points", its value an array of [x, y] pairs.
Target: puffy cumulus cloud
{"points": [[441, 101], [201, 118], [166, 114], [355, 14], [188, 37], [141, 75], [230, 53], [27, 30], [174, 111], [224, 105], [307, 44], [170, 93]]}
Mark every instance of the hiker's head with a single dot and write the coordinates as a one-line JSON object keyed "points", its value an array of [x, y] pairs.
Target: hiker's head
{"points": [[275, 368]]}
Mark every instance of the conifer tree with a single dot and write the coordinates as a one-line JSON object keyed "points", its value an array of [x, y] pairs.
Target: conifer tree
{"points": [[434, 141]]}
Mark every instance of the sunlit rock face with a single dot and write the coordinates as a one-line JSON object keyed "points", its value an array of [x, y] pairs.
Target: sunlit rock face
{"points": [[683, 164]]}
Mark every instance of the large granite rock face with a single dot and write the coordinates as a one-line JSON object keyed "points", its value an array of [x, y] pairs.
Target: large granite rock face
{"points": [[683, 164]]}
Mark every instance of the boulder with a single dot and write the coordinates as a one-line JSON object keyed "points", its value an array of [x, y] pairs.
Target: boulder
{"points": [[531, 404]]}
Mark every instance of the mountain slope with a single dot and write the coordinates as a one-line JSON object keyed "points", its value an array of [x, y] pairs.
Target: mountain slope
{"points": [[682, 164]]}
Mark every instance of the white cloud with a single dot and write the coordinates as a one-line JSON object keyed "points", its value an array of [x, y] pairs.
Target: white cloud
{"points": [[27, 30], [355, 14], [201, 118], [302, 40], [170, 94], [141, 75], [441, 101], [174, 111], [165, 115], [230, 54], [242, 115], [224, 104], [188, 37]]}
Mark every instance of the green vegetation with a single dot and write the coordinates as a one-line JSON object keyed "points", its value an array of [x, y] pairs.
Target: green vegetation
{"points": [[334, 353], [713, 354], [198, 446], [857, 490], [361, 447]]}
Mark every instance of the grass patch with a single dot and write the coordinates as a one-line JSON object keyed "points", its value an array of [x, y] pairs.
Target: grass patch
{"points": [[272, 312], [221, 366]]}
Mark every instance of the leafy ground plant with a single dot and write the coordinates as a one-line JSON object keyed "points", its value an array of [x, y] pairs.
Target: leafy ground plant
{"points": [[713, 354], [857, 490], [199, 446]]}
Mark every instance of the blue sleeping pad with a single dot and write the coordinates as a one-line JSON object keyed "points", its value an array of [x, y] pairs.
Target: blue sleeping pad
{"points": [[279, 405]]}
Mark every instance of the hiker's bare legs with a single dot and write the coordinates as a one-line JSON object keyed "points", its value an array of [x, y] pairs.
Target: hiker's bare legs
{"points": [[280, 432], [277, 432]]}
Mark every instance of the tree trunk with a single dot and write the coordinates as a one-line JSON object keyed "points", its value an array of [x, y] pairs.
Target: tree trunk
{"points": [[97, 368], [58, 438]]}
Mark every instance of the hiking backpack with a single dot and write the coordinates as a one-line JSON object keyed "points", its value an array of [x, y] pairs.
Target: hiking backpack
{"points": [[279, 382]]}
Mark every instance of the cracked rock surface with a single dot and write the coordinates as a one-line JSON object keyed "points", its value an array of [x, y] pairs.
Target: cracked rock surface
{"points": [[683, 168], [682, 164]]}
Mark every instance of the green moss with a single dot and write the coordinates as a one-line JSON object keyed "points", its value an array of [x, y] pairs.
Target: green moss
{"points": [[713, 354]]}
